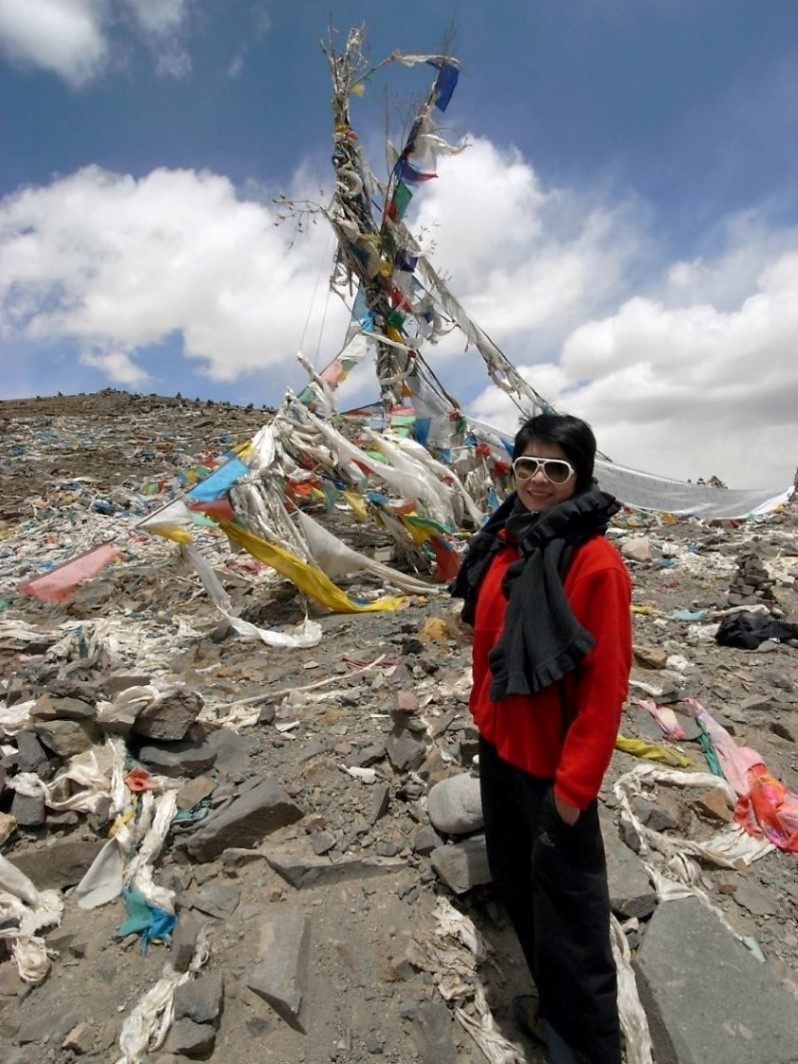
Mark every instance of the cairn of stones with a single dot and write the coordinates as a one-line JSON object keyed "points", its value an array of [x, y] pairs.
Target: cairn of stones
{"points": [[752, 584]]}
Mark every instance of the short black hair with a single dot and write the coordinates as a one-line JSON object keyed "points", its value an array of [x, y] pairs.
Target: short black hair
{"points": [[571, 433]]}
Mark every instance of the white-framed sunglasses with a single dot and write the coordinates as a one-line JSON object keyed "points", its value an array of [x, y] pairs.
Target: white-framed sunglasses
{"points": [[555, 470]]}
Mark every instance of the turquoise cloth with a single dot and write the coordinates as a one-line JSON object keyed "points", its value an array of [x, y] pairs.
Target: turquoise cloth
{"points": [[144, 919]]}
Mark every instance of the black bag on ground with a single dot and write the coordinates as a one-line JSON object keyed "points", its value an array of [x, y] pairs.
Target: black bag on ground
{"points": [[747, 630]]}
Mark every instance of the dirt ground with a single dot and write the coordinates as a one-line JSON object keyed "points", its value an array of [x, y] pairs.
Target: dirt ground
{"points": [[75, 469]]}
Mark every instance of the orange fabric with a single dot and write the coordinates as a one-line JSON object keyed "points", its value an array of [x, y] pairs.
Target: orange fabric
{"points": [[138, 780], [769, 809]]}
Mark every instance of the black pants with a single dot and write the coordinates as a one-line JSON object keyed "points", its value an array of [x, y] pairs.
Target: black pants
{"points": [[553, 881]]}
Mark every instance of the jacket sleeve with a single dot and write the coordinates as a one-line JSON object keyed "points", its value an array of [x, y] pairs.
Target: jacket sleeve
{"points": [[601, 601]]}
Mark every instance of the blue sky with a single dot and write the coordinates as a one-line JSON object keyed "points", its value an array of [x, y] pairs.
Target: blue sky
{"points": [[623, 222]]}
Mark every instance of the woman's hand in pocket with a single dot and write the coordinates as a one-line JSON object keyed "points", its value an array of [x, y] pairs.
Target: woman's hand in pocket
{"points": [[569, 814]]}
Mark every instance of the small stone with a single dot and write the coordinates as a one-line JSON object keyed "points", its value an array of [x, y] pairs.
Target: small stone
{"points": [[715, 805], [29, 811], [31, 754], [386, 848], [48, 708], [426, 840], [754, 898], [406, 701], [201, 999], [322, 842], [769, 646], [170, 719], [60, 864], [176, 759], [184, 941], [189, 1039], [66, 738], [118, 682], [192, 793], [216, 899], [10, 982], [786, 727], [302, 870], [463, 865], [80, 1039], [637, 548], [650, 657], [380, 800], [663, 815], [404, 752]]}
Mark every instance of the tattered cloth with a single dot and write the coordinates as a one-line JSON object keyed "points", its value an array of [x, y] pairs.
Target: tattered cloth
{"points": [[748, 629]]}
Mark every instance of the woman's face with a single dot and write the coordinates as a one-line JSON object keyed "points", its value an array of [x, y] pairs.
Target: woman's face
{"points": [[538, 492]]}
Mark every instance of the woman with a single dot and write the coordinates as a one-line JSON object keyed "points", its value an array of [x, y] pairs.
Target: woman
{"points": [[549, 598]]}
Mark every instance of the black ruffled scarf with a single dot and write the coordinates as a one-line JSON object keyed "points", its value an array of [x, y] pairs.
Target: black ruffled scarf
{"points": [[541, 639]]}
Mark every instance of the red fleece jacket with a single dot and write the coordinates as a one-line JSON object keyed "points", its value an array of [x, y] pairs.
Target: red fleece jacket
{"points": [[529, 730]]}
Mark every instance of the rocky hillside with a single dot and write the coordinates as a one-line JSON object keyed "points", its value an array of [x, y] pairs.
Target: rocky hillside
{"points": [[309, 814]]}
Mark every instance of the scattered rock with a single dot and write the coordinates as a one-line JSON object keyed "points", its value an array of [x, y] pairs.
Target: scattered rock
{"points": [[631, 893], [715, 805], [193, 1040], [50, 708], [753, 898], [250, 817], [80, 1039], [280, 976], [201, 999], [29, 811], [177, 759], [170, 718], [184, 941], [454, 805], [637, 548], [67, 737], [61, 864], [650, 657], [303, 870], [407, 720], [463, 865], [191, 794]]}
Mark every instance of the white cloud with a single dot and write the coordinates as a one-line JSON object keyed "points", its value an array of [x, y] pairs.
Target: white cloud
{"points": [[159, 17], [60, 36], [117, 366], [76, 39], [688, 376], [526, 261], [161, 23], [689, 389], [117, 265]]}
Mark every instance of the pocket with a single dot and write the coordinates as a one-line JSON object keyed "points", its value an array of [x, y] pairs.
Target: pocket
{"points": [[562, 846]]}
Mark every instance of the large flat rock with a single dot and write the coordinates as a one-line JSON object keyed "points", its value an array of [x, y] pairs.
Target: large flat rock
{"points": [[281, 974], [708, 999], [302, 869], [246, 821], [59, 864]]}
